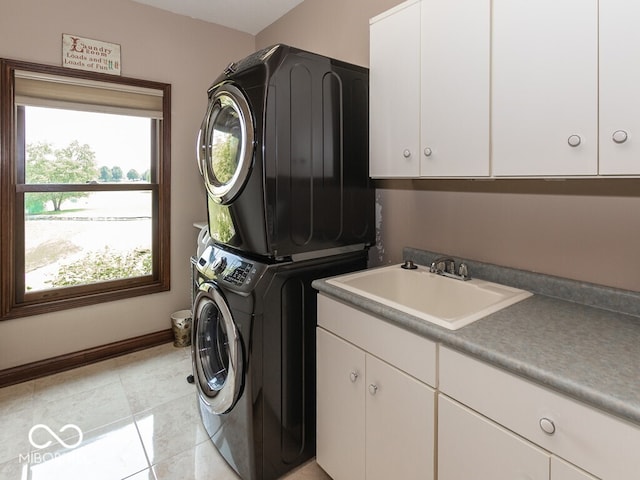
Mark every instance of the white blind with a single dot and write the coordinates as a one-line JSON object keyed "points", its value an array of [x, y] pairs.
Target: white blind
{"points": [[44, 90]]}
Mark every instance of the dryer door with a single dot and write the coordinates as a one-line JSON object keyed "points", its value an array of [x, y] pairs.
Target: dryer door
{"points": [[225, 143], [217, 351]]}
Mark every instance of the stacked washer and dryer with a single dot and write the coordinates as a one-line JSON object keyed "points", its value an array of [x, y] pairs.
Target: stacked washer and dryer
{"points": [[283, 151]]}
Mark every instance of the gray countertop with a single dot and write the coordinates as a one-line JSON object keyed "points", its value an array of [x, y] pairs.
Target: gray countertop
{"points": [[586, 352]]}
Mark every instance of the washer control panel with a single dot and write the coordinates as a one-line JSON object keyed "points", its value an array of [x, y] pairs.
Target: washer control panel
{"points": [[230, 269]]}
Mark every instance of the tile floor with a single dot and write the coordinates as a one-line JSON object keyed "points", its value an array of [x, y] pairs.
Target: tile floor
{"points": [[132, 417]]}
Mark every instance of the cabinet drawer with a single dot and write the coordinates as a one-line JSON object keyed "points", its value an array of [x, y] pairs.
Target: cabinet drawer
{"points": [[601, 444], [409, 352]]}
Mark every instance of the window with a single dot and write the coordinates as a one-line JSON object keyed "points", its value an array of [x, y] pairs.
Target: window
{"points": [[84, 188]]}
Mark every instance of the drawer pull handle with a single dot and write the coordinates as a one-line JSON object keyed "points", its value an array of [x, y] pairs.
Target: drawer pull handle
{"points": [[574, 140], [547, 426], [373, 389], [353, 376], [619, 136], [406, 153]]}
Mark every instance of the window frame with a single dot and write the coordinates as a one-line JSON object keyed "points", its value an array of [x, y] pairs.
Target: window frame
{"points": [[14, 301]]}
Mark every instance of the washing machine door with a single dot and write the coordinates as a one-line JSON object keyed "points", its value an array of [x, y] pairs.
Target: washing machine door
{"points": [[217, 351], [225, 143]]}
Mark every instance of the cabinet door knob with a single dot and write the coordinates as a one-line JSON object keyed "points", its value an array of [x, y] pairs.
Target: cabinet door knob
{"points": [[427, 152], [620, 136], [547, 426], [373, 389], [574, 140], [406, 153], [353, 376]]}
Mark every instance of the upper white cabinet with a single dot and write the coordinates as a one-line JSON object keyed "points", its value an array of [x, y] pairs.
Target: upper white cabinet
{"points": [[545, 87], [394, 92], [505, 88], [619, 92], [429, 89], [455, 59]]}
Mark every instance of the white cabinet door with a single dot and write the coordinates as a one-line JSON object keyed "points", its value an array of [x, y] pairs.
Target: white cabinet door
{"points": [[619, 93], [472, 447], [455, 61], [341, 407], [394, 93], [400, 425], [561, 470], [545, 87], [374, 421]]}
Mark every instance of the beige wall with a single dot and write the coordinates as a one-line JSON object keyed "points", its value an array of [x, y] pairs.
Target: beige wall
{"points": [[585, 230], [158, 46], [336, 28]]}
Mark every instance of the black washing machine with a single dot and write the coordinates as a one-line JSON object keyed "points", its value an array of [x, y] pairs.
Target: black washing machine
{"points": [[284, 153], [253, 349]]}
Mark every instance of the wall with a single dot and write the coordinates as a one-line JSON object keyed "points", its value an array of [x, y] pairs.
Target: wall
{"points": [[158, 46], [587, 230]]}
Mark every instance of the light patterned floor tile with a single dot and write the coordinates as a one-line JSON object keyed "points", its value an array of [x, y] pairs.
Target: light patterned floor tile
{"points": [[16, 397], [14, 434], [88, 410], [309, 471], [104, 400], [143, 475], [170, 428], [203, 462], [14, 470], [158, 386], [76, 381], [107, 453], [151, 360]]}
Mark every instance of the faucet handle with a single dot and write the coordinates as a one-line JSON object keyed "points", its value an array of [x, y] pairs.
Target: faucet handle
{"points": [[450, 266], [443, 265], [463, 271]]}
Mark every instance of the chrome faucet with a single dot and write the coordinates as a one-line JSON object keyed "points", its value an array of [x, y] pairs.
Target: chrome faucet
{"points": [[443, 265], [446, 266]]}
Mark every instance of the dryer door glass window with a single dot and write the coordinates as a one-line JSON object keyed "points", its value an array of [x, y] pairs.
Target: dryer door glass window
{"points": [[226, 144]]}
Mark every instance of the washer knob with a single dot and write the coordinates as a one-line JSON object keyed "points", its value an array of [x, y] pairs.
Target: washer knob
{"points": [[219, 265]]}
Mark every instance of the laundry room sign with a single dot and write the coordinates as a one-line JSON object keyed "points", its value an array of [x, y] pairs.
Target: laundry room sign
{"points": [[88, 54]]}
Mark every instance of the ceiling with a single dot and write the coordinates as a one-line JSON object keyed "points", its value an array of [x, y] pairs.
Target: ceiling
{"points": [[250, 16]]}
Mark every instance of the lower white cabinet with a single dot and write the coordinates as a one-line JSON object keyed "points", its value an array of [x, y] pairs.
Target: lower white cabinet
{"points": [[377, 411], [374, 421], [340, 430], [471, 446], [561, 470], [598, 443]]}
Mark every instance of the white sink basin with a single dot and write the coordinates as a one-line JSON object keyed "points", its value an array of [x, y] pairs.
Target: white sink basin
{"points": [[447, 302]]}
